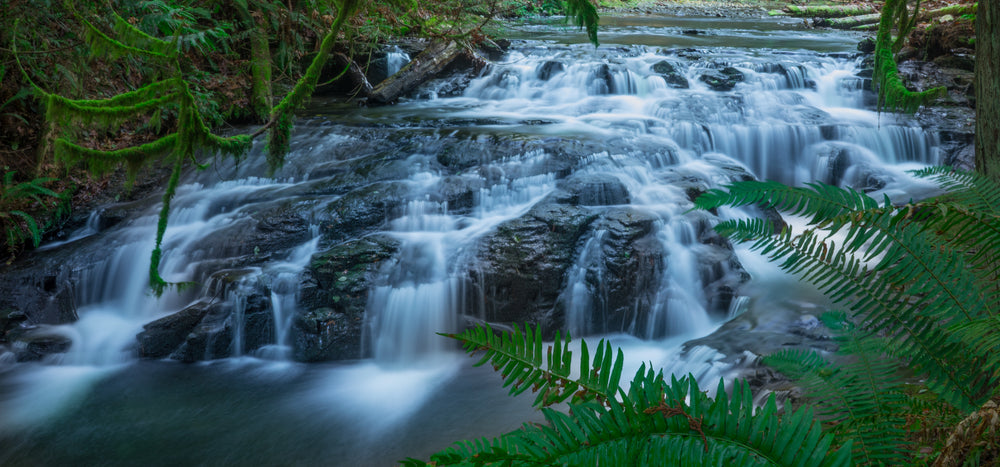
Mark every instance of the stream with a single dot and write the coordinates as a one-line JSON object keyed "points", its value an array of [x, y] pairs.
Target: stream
{"points": [[554, 187]]}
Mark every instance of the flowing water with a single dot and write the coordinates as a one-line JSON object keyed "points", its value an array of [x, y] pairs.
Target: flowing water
{"points": [[797, 114]]}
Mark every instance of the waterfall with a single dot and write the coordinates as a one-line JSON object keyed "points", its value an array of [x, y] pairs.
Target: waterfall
{"points": [[612, 143]]}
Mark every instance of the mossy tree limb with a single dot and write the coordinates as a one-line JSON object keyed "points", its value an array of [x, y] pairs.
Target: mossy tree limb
{"points": [[892, 93]]}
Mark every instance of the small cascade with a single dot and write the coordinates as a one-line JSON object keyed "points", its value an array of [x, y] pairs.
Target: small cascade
{"points": [[424, 292], [583, 296], [421, 295], [679, 307], [395, 60]]}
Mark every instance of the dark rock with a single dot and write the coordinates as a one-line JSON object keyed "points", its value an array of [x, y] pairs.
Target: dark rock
{"points": [[633, 260], [718, 81], [162, 337], [521, 267], [363, 209], [549, 69], [961, 62], [596, 190], [692, 32], [867, 45], [333, 296], [733, 74], [670, 74], [34, 343], [602, 80], [237, 325]]}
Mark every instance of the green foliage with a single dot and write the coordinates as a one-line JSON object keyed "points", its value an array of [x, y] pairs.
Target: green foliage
{"points": [[177, 148], [920, 279], [584, 14], [653, 422], [15, 200], [892, 93], [862, 399]]}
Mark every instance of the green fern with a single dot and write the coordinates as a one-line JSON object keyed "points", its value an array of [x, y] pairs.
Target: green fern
{"points": [[653, 422], [584, 14], [862, 399], [18, 225], [894, 272]]}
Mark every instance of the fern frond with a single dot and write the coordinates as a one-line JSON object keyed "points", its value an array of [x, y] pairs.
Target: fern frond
{"points": [[518, 356], [34, 232], [819, 200], [584, 14], [861, 399], [653, 423], [677, 425], [910, 321], [970, 189]]}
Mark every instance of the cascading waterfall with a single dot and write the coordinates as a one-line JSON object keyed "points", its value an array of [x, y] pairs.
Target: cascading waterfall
{"points": [[424, 292], [637, 116]]}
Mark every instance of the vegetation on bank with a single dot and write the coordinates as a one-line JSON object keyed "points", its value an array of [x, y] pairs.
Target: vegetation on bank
{"points": [[144, 84]]}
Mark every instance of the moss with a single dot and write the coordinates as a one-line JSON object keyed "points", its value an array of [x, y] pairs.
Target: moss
{"points": [[892, 94]]}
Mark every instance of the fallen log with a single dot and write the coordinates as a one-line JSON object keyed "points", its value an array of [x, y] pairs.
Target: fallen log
{"points": [[861, 21], [847, 22], [353, 72], [433, 60], [828, 11]]}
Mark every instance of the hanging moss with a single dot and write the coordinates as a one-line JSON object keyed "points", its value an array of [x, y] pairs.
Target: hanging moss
{"points": [[283, 113], [892, 94]]}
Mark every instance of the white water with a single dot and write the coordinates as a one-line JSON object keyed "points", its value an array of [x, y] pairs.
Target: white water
{"points": [[794, 118]]}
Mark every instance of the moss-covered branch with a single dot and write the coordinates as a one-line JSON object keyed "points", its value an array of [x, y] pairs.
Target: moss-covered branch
{"points": [[892, 93], [828, 11]]}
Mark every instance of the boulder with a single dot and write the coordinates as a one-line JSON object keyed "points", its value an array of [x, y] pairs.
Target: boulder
{"points": [[670, 74], [333, 297], [34, 343], [549, 69], [521, 267], [722, 80], [596, 190], [162, 337]]}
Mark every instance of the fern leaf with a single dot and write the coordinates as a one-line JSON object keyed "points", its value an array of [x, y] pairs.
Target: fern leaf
{"points": [[653, 423], [518, 357], [584, 14], [880, 302], [34, 233]]}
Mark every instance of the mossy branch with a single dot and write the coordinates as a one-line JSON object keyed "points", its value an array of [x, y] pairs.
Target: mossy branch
{"points": [[892, 93], [282, 114]]}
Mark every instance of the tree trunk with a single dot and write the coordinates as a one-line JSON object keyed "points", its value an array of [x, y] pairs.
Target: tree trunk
{"points": [[987, 83]]}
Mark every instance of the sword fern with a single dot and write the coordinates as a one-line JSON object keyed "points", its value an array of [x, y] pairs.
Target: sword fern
{"points": [[651, 422]]}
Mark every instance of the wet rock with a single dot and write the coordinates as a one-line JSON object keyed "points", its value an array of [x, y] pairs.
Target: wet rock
{"points": [[521, 267], [768, 325], [671, 74], [596, 190], [633, 260], [602, 80], [721, 80], [363, 209], [162, 337], [239, 324], [333, 296], [867, 45], [34, 343], [549, 69], [961, 62], [40, 291]]}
